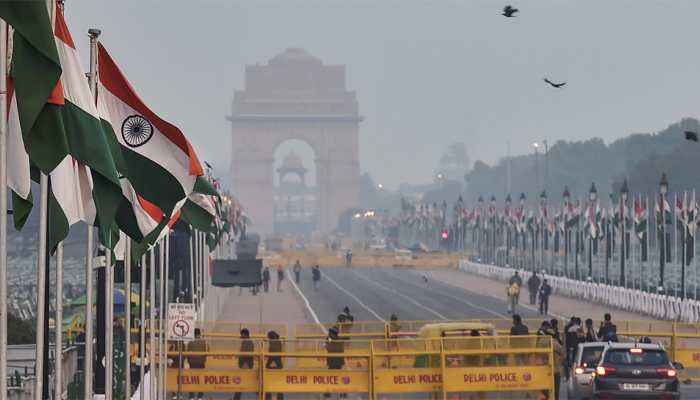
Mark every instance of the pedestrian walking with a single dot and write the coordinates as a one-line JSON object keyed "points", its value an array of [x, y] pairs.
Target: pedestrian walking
{"points": [[266, 279], [280, 277], [544, 293], [245, 361], [316, 276], [274, 362], [297, 271], [512, 294], [554, 323], [533, 286]]}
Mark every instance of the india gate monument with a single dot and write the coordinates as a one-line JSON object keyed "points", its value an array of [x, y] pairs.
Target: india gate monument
{"points": [[295, 96]]}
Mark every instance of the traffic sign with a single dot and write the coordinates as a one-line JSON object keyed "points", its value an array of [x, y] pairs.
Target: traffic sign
{"points": [[181, 320]]}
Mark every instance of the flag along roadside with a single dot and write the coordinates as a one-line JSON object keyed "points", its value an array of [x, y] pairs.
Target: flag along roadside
{"points": [[66, 141], [156, 157]]}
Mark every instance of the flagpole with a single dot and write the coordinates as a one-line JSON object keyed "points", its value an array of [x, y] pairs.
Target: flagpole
{"points": [[88, 389], [3, 210], [191, 277], [165, 305], [152, 326], [127, 303], [109, 319], [161, 328], [40, 285], [58, 348], [142, 328]]}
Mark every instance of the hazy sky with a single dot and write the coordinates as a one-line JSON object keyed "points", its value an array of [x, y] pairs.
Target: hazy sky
{"points": [[427, 73]]}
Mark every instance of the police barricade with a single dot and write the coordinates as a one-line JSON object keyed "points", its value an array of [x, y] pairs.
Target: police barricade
{"points": [[686, 350], [233, 329], [485, 366], [354, 330], [342, 371], [214, 366]]}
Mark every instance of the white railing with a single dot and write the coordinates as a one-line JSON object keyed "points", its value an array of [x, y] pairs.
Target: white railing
{"points": [[632, 300]]}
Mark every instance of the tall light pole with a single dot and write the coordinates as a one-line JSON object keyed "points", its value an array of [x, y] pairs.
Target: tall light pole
{"points": [[507, 239], [546, 165], [663, 190], [592, 199], [624, 191], [567, 198], [543, 227], [537, 166]]}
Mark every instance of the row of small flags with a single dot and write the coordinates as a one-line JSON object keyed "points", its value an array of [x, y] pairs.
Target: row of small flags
{"points": [[587, 215]]}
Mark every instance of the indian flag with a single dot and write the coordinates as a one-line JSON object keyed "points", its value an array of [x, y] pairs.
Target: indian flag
{"points": [[65, 140], [156, 158]]}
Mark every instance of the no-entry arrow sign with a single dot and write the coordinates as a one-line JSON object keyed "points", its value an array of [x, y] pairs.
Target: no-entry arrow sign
{"points": [[181, 320]]}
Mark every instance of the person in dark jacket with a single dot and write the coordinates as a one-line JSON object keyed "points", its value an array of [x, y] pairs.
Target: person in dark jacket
{"points": [[245, 362], [297, 271], [608, 330], [554, 323], [335, 345], [518, 328], [591, 335], [266, 279], [533, 285], [571, 334], [316, 276], [544, 293], [274, 362]]}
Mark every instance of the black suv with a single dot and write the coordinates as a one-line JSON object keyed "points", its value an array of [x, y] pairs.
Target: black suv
{"points": [[636, 371]]}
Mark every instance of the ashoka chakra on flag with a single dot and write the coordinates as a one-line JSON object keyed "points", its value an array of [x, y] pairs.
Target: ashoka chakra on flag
{"points": [[136, 131]]}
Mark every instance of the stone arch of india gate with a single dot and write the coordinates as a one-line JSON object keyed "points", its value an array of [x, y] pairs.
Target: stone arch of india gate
{"points": [[295, 96]]}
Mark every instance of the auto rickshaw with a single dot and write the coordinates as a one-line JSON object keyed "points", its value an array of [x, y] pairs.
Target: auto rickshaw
{"points": [[448, 330]]}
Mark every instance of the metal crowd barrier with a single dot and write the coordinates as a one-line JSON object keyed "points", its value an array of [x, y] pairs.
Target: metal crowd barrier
{"points": [[386, 367]]}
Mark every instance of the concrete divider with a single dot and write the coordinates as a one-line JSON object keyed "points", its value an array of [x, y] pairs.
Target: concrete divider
{"points": [[652, 304]]}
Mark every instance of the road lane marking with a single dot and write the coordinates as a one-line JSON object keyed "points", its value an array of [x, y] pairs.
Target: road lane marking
{"points": [[469, 303], [342, 289], [306, 302], [388, 289]]}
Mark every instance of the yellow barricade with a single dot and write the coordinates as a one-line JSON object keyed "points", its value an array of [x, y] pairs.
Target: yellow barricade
{"points": [[355, 330]]}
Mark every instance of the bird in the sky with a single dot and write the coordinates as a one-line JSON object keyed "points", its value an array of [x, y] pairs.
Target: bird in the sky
{"points": [[208, 165], [556, 85], [690, 135], [509, 11]]}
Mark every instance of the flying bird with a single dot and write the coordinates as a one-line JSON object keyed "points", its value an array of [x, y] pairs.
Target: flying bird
{"points": [[509, 11], [208, 165], [690, 135], [556, 85]]}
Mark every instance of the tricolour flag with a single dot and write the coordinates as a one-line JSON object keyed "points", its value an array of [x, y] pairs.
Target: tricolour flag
{"points": [[157, 159], [64, 139]]}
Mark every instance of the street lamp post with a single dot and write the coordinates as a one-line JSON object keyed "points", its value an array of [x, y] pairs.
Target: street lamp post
{"points": [[567, 197], [537, 166], [479, 236], [507, 229], [663, 190], [592, 198], [543, 227], [492, 235], [521, 216], [624, 191]]}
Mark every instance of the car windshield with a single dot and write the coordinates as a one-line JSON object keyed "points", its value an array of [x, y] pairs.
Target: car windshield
{"points": [[591, 355], [642, 357]]}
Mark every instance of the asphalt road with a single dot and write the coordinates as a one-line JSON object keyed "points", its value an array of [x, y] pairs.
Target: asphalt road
{"points": [[376, 293]]}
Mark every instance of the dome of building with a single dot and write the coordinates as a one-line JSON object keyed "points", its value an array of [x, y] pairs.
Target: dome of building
{"points": [[294, 56]]}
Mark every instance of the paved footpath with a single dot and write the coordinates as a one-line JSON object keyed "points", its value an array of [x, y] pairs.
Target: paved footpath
{"points": [[273, 307], [559, 306]]}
